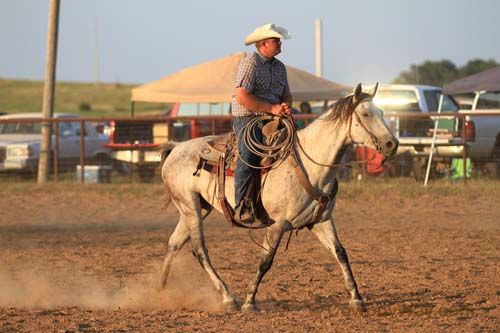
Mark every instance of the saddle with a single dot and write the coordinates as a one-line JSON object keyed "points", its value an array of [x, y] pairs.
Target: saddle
{"points": [[220, 156]]}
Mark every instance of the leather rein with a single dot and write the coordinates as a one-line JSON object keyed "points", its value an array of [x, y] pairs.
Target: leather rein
{"points": [[372, 138]]}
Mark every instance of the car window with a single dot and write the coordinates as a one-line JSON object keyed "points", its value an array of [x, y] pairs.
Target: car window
{"points": [[66, 129], [432, 99], [489, 100], [188, 109], [21, 128], [203, 109]]}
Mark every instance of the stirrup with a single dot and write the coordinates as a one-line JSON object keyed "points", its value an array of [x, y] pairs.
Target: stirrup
{"points": [[251, 222]]}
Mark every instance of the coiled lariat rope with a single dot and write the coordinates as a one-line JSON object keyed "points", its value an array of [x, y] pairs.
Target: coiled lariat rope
{"points": [[279, 151], [276, 151]]}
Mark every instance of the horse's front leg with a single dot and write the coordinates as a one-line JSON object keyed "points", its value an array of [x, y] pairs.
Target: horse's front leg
{"points": [[271, 242], [326, 233]]}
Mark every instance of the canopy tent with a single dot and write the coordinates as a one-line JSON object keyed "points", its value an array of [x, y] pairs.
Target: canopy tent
{"points": [[488, 80], [213, 82]]}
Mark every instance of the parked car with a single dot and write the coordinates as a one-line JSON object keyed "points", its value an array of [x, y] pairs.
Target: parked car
{"points": [[20, 143]]}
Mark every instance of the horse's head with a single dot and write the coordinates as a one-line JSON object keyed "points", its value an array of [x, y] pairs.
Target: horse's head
{"points": [[366, 123]]}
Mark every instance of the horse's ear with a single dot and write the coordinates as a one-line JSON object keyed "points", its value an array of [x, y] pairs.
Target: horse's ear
{"points": [[357, 92], [374, 91]]}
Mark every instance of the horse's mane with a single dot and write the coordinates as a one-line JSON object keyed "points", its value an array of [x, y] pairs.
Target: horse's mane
{"points": [[343, 108]]}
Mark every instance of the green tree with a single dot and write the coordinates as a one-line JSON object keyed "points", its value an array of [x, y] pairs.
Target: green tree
{"points": [[434, 73], [437, 73], [475, 66]]}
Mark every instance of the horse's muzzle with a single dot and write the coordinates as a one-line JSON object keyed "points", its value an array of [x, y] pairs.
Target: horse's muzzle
{"points": [[388, 147]]}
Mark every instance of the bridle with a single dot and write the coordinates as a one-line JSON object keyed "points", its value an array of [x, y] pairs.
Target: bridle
{"points": [[373, 138]]}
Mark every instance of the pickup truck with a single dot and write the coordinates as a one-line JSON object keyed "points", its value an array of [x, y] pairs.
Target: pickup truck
{"points": [[135, 142], [20, 142], [485, 149], [415, 135]]}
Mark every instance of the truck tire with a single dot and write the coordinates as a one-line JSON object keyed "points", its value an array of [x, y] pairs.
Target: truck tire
{"points": [[496, 158]]}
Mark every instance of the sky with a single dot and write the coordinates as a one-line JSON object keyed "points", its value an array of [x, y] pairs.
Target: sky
{"points": [[141, 41]]}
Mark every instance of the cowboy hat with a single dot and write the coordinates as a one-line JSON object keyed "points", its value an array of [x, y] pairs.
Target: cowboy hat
{"points": [[267, 31]]}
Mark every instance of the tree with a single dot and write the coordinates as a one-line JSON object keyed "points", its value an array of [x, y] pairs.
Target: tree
{"points": [[437, 73], [434, 73], [475, 66]]}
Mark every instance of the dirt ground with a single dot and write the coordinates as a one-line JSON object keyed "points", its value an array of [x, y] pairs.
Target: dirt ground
{"points": [[78, 260]]}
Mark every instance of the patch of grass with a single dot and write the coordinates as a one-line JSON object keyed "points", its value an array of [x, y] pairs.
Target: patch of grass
{"points": [[372, 190], [105, 99], [409, 188], [135, 189]]}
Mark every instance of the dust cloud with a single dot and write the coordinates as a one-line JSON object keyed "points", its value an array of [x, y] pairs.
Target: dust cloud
{"points": [[30, 288]]}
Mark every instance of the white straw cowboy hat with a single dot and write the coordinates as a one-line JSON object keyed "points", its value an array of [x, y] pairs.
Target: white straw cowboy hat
{"points": [[267, 31]]}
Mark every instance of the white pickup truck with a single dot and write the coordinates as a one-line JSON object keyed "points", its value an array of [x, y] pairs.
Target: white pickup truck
{"points": [[416, 134]]}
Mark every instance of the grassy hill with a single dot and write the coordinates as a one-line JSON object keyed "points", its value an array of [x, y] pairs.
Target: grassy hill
{"points": [[86, 99]]}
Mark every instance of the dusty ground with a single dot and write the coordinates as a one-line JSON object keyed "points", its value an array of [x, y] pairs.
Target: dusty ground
{"points": [[74, 260]]}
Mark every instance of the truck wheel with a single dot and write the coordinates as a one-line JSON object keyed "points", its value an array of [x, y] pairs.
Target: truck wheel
{"points": [[496, 159]]}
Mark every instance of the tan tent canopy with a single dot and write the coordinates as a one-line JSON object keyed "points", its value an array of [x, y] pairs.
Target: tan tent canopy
{"points": [[214, 82]]}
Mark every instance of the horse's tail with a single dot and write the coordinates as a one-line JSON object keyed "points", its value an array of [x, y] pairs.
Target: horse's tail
{"points": [[165, 149]]}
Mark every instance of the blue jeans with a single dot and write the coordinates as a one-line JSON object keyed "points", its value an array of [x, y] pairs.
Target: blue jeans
{"points": [[243, 173]]}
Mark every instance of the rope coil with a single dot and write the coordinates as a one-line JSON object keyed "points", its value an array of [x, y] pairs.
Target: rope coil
{"points": [[277, 151]]}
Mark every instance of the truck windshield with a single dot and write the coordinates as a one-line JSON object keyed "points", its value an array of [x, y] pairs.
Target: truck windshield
{"points": [[397, 100]]}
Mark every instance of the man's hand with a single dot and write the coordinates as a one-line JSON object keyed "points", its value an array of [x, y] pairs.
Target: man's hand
{"points": [[282, 109]]}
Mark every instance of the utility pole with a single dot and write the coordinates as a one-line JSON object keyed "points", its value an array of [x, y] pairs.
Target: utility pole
{"points": [[417, 76], [48, 92], [319, 50]]}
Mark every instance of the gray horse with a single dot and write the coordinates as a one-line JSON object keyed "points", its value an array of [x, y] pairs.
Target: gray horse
{"points": [[353, 119]]}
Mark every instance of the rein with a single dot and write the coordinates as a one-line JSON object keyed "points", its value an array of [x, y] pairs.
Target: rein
{"points": [[349, 164]]}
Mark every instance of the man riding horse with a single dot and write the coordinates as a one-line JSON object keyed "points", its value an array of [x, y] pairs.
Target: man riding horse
{"points": [[261, 88]]}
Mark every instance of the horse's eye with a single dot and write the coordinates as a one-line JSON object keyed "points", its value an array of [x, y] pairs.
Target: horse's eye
{"points": [[365, 114]]}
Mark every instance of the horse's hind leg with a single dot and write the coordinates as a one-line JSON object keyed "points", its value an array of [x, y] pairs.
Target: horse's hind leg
{"points": [[271, 242], [176, 241], [326, 233]]}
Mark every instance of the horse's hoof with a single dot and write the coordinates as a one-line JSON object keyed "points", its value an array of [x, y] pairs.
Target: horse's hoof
{"points": [[357, 305], [230, 306], [249, 308]]}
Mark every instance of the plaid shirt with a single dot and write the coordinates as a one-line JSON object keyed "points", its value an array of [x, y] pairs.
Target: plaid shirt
{"points": [[265, 79]]}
